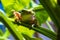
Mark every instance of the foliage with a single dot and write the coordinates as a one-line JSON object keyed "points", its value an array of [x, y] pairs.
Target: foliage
{"points": [[40, 13], [14, 5], [25, 30], [10, 26], [29, 38], [13, 31], [4, 36], [1, 33], [54, 12]]}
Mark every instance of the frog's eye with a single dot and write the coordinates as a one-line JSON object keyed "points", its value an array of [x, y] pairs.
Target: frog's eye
{"points": [[24, 11]]}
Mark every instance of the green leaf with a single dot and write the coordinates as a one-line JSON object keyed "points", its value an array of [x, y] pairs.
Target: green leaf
{"points": [[25, 2], [21, 29], [36, 39], [6, 34], [54, 12], [25, 30], [40, 14], [43, 31], [29, 38], [17, 5], [14, 5], [2, 38], [26, 37], [13, 30], [1, 33]]}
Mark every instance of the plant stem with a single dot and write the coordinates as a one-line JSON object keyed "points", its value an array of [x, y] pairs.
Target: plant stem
{"points": [[49, 26], [41, 30], [13, 30]]}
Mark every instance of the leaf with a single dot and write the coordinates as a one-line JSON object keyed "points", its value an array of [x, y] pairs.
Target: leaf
{"points": [[1, 33], [26, 37], [14, 5], [25, 30], [29, 38], [43, 31], [6, 34], [36, 39], [54, 13], [1, 38], [40, 14], [21, 29], [26, 2], [17, 5], [13, 30]]}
